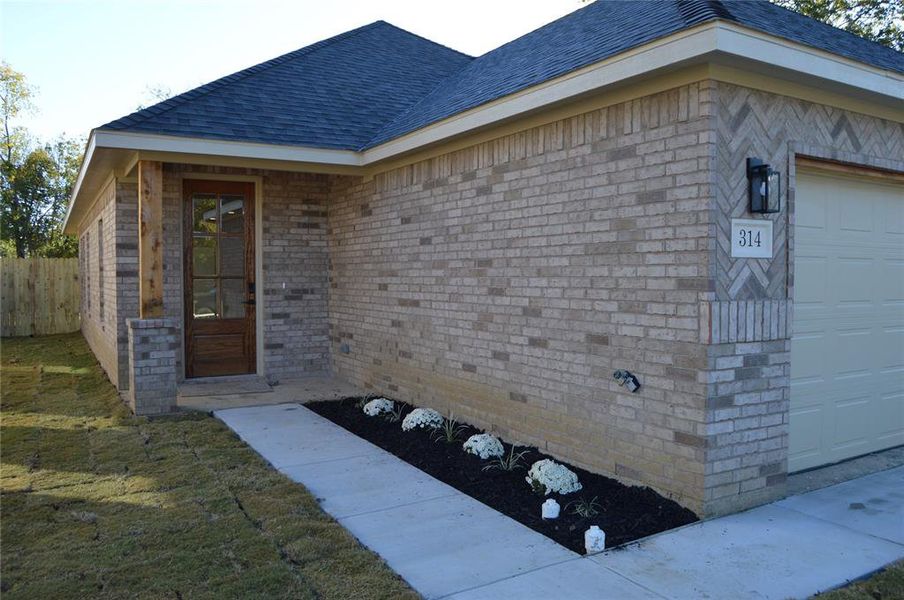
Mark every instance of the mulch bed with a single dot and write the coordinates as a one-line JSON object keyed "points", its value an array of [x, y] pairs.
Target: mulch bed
{"points": [[626, 513]]}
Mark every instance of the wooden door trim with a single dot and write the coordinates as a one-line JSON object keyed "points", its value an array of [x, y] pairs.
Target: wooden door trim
{"points": [[250, 186]]}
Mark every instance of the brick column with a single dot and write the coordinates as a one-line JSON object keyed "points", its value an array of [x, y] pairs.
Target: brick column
{"points": [[748, 381], [153, 348]]}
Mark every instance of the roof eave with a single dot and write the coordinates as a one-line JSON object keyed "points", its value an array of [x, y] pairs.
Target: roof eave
{"points": [[715, 42], [118, 151]]}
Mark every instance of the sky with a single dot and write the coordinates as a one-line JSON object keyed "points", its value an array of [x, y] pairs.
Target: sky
{"points": [[93, 61]]}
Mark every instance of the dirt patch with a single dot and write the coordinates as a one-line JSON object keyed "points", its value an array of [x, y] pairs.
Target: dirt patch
{"points": [[625, 513]]}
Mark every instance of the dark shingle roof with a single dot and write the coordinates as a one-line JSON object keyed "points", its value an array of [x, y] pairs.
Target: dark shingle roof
{"points": [[376, 83], [336, 93], [607, 28]]}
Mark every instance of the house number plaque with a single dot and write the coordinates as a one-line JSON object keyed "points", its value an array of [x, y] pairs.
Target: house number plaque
{"points": [[751, 238]]}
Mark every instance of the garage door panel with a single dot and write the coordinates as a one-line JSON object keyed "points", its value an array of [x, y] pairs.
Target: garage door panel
{"points": [[891, 287], [893, 217], [858, 274], [812, 280], [847, 352], [854, 354], [810, 217], [806, 429], [809, 366], [890, 411], [857, 217], [853, 425], [890, 355]]}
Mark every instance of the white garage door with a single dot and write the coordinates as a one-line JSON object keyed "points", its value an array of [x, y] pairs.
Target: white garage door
{"points": [[847, 351]]}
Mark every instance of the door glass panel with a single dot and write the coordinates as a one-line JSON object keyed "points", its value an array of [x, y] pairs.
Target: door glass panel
{"points": [[204, 255], [204, 209], [232, 256], [233, 296], [204, 298], [232, 213]]}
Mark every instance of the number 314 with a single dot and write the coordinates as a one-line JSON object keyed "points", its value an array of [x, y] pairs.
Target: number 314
{"points": [[749, 238]]}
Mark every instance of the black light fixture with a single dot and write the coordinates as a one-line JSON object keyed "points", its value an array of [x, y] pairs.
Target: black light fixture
{"points": [[765, 186]]}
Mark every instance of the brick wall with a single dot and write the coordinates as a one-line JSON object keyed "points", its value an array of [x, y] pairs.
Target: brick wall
{"points": [[96, 235], [749, 316], [508, 280]]}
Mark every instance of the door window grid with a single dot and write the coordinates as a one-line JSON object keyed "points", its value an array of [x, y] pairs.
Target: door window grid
{"points": [[218, 256]]}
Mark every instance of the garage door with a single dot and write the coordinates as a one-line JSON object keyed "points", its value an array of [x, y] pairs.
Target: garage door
{"points": [[847, 351]]}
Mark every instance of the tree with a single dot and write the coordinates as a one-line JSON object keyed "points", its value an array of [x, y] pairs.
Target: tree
{"points": [[154, 94], [36, 179], [877, 20]]}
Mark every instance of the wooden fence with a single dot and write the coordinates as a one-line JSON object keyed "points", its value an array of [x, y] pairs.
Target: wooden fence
{"points": [[38, 296]]}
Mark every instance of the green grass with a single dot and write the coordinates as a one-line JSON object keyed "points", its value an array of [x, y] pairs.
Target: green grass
{"points": [[887, 584], [96, 503]]}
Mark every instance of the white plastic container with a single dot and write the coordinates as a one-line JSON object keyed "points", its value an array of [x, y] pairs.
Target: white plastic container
{"points": [[550, 509], [594, 540]]}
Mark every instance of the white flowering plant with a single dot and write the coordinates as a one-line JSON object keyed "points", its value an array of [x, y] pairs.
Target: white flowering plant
{"points": [[547, 476], [484, 445], [422, 418], [378, 406]]}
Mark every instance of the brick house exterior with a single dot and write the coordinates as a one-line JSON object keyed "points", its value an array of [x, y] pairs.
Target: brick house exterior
{"points": [[506, 274]]}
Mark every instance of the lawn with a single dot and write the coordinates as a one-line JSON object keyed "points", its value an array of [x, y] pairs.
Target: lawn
{"points": [[97, 503], [887, 584]]}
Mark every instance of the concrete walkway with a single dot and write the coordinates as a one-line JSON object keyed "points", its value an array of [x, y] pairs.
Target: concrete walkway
{"points": [[447, 545]]}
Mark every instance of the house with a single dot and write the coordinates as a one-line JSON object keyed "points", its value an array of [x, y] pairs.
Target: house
{"points": [[499, 235]]}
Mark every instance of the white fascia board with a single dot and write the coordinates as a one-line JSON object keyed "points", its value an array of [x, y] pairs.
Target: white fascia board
{"points": [[83, 170], [749, 44], [186, 145]]}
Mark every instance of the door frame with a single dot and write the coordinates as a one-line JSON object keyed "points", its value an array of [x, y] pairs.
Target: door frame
{"points": [[257, 181]]}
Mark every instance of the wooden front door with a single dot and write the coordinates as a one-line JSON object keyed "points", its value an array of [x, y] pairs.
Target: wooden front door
{"points": [[219, 278]]}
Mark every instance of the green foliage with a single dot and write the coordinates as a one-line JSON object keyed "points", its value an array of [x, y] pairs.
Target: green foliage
{"points": [[512, 462], [35, 179], [395, 415], [450, 431], [584, 508], [364, 400], [877, 20]]}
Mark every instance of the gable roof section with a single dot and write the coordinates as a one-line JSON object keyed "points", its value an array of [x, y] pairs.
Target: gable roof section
{"points": [[604, 29], [337, 93], [376, 83]]}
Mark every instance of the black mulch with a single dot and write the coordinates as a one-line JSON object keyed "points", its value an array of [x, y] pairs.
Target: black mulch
{"points": [[626, 513]]}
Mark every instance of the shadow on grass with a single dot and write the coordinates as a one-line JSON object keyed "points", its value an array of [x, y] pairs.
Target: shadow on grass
{"points": [[99, 504]]}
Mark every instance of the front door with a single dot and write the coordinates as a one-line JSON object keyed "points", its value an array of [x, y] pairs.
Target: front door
{"points": [[219, 278]]}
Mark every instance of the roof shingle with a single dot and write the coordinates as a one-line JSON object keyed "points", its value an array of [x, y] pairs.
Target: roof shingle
{"points": [[336, 93], [376, 83]]}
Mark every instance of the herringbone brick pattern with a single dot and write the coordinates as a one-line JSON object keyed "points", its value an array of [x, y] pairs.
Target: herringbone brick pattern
{"points": [[752, 123]]}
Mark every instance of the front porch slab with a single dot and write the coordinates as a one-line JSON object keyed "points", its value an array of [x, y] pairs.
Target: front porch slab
{"points": [[223, 393]]}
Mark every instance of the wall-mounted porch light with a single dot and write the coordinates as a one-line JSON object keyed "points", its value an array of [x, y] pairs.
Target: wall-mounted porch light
{"points": [[765, 185]]}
